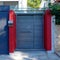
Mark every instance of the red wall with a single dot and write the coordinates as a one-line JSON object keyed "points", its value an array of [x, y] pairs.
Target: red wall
{"points": [[12, 32], [47, 30]]}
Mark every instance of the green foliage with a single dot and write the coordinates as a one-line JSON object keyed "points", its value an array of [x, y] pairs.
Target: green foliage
{"points": [[55, 8], [34, 3]]}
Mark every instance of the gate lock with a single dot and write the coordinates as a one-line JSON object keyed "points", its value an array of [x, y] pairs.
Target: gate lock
{"points": [[10, 23]]}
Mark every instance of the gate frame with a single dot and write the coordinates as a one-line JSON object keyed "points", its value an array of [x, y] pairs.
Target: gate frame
{"points": [[48, 43]]}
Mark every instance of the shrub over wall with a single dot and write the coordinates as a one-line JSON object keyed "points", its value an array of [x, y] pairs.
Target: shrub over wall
{"points": [[34, 3]]}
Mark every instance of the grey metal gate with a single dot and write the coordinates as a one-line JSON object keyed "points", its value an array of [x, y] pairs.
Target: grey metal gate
{"points": [[29, 31]]}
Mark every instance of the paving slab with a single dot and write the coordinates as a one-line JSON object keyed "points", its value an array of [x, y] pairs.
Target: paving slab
{"points": [[30, 55]]}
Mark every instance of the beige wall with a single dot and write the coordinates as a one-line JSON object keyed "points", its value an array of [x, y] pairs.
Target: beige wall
{"points": [[9, 3], [57, 44], [1, 3], [58, 0]]}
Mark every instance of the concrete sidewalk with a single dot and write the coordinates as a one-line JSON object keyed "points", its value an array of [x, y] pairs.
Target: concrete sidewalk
{"points": [[30, 55], [58, 53]]}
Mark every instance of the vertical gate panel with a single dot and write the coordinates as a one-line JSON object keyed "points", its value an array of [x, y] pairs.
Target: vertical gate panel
{"points": [[4, 14], [38, 32], [24, 31]]}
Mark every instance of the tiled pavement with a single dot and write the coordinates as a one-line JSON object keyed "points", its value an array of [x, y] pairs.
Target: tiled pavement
{"points": [[30, 55]]}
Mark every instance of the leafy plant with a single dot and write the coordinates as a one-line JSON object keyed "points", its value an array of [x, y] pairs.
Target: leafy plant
{"points": [[55, 8], [34, 3]]}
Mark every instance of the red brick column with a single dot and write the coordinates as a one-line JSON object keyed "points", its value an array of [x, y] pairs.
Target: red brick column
{"points": [[12, 32], [47, 30]]}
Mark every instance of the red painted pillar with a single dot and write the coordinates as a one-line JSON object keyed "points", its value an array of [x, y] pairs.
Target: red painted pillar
{"points": [[12, 32], [47, 30]]}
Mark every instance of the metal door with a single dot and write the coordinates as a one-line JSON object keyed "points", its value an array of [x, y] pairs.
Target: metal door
{"points": [[38, 26], [3, 32], [29, 31], [25, 32]]}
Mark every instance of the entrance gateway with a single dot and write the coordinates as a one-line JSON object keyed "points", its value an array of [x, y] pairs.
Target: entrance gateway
{"points": [[26, 29], [34, 31], [30, 31]]}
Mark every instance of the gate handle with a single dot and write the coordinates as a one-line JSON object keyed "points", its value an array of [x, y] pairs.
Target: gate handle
{"points": [[10, 23]]}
